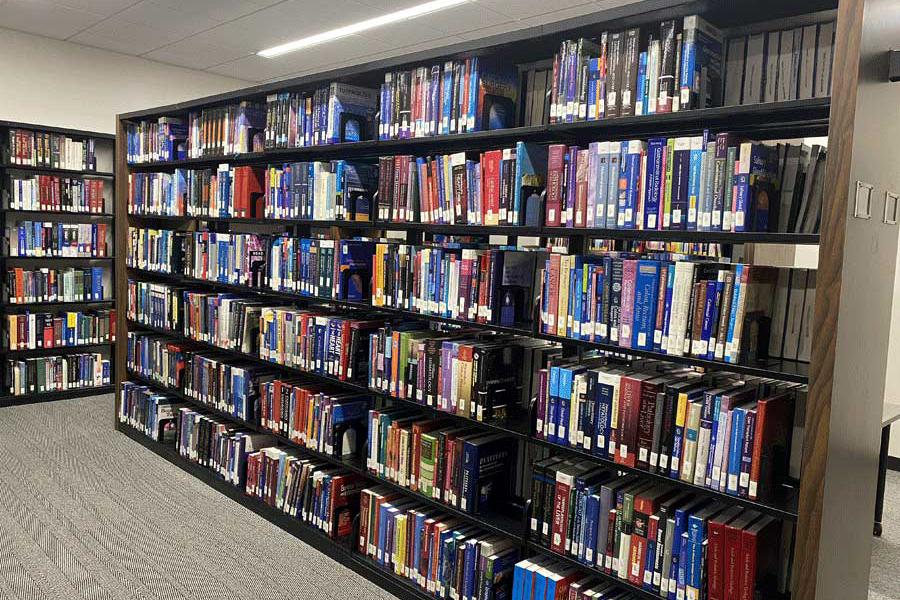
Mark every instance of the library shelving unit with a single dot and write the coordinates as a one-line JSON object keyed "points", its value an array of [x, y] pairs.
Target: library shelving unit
{"points": [[832, 502], [104, 152]]}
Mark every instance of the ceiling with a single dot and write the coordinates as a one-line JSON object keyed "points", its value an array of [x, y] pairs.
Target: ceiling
{"points": [[223, 36]]}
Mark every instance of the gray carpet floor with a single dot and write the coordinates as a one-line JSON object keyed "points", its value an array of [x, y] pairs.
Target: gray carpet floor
{"points": [[86, 513]]}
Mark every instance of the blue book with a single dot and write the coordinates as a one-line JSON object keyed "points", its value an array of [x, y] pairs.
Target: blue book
{"points": [[446, 97], [679, 539], [735, 296], [735, 446], [654, 179], [484, 467], [577, 278], [566, 379], [591, 519], [540, 585], [96, 283], [667, 311], [646, 288], [593, 76], [553, 405], [640, 104], [603, 421], [616, 155], [716, 310], [708, 316], [694, 181]]}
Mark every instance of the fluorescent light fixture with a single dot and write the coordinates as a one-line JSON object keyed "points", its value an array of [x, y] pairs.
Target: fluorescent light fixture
{"points": [[327, 36]]}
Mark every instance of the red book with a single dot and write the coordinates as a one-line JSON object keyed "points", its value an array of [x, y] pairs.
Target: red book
{"points": [[552, 293], [732, 563], [645, 505], [715, 552], [555, 169], [565, 479], [774, 421], [342, 495], [610, 541], [629, 416], [581, 187], [759, 558], [365, 497], [491, 198], [436, 215]]}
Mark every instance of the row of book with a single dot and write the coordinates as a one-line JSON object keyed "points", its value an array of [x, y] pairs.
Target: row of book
{"points": [[39, 239], [320, 190], [545, 577], [224, 384], [713, 311], [473, 374], [458, 96], [49, 193], [700, 183], [452, 464], [311, 267], [31, 331], [672, 543], [34, 286], [719, 432], [227, 191], [440, 554], [492, 189], [774, 66], [485, 286], [57, 373], [337, 113], [49, 150]]}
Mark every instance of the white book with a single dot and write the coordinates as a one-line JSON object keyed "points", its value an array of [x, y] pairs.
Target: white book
{"points": [[681, 299], [824, 60], [653, 74], [734, 70], [754, 68], [794, 315], [773, 55], [779, 313], [804, 349], [807, 63]]}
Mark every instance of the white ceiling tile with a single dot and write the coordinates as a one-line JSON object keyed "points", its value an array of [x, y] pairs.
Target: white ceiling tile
{"points": [[478, 34], [45, 18], [157, 16], [332, 13], [403, 33], [99, 40], [98, 7], [522, 9], [138, 38], [261, 30], [194, 55], [220, 11], [464, 17], [255, 68], [560, 15]]}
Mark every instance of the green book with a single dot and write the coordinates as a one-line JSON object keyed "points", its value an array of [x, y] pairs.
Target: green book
{"points": [[426, 463]]}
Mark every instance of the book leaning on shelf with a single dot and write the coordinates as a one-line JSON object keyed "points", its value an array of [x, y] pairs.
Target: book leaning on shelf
{"points": [[25, 286], [57, 373], [37, 239], [700, 183], [227, 191], [458, 96], [328, 115], [437, 552], [660, 538], [49, 150], [333, 190], [492, 188], [712, 311], [31, 331], [473, 374], [718, 431], [484, 286], [49, 193], [440, 460], [152, 413]]}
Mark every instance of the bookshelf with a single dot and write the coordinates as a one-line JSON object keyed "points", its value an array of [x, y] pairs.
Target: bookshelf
{"points": [[62, 183], [856, 263]]}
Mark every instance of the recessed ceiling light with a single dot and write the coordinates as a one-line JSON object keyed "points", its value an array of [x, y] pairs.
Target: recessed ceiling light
{"points": [[327, 36]]}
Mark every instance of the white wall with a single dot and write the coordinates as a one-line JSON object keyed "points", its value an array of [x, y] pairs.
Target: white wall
{"points": [[50, 82], [892, 380]]}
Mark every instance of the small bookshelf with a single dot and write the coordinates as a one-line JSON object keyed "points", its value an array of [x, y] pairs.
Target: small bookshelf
{"points": [[57, 209]]}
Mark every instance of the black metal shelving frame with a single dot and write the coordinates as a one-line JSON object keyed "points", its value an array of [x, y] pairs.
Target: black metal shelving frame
{"points": [[6, 169], [798, 118]]}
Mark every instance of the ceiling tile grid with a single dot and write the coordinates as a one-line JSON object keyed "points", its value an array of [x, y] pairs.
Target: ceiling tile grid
{"points": [[223, 36]]}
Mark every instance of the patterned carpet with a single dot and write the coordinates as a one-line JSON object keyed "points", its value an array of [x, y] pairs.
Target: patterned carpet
{"points": [[86, 513]]}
